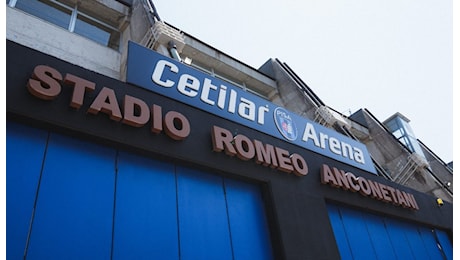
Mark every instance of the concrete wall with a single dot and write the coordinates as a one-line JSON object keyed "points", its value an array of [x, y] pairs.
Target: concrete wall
{"points": [[394, 158], [439, 168], [137, 26], [289, 94], [40, 35]]}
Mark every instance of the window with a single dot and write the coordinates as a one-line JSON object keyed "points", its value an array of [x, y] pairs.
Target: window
{"points": [[398, 133], [401, 129], [50, 12], [71, 19]]}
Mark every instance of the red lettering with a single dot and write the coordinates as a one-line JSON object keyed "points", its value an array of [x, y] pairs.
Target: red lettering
{"points": [[44, 83]]}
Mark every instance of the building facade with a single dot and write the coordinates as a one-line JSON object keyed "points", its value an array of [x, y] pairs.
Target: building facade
{"points": [[130, 139]]}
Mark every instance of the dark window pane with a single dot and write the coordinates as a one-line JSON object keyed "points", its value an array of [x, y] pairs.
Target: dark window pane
{"points": [[96, 32], [47, 11]]}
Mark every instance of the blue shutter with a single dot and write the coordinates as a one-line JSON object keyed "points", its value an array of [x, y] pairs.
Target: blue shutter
{"points": [[339, 232], [361, 235], [25, 151], [203, 225], [248, 223], [429, 240], [74, 212], [379, 237], [146, 213], [445, 243], [357, 234], [161, 212], [415, 241]]}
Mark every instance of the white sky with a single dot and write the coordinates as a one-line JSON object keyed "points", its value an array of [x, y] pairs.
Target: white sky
{"points": [[387, 56]]}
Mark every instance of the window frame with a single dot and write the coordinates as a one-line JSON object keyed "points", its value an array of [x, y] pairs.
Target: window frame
{"points": [[75, 14]]}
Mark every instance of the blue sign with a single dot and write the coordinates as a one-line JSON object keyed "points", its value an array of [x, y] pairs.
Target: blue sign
{"points": [[163, 75]]}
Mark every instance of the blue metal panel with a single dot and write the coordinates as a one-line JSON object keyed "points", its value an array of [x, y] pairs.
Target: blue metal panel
{"points": [[400, 242], [358, 236], [385, 238], [25, 148], [74, 212], [415, 241], [445, 242], [429, 240], [379, 237], [248, 223], [146, 212], [203, 223], [339, 232]]}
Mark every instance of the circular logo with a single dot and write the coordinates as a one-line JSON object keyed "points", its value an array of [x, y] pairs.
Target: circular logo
{"points": [[285, 124]]}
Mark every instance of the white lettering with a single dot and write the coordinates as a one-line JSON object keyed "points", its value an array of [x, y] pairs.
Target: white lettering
{"points": [[323, 138], [158, 72], [188, 85], [166, 74], [232, 101], [334, 145], [346, 150], [310, 133], [359, 156], [205, 92], [261, 117], [222, 96], [247, 109]]}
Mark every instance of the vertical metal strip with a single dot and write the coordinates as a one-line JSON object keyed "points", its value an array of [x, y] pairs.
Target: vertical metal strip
{"points": [[177, 212], [228, 217], [114, 202], [36, 195]]}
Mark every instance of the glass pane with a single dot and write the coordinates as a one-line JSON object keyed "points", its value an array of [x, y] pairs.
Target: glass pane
{"points": [[392, 125], [47, 11], [96, 32], [406, 142], [398, 133], [416, 146], [408, 129]]}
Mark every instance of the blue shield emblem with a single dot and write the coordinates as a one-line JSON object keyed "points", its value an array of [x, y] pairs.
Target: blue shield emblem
{"points": [[285, 124]]}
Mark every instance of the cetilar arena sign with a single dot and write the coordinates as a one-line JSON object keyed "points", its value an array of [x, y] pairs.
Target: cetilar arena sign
{"points": [[155, 72]]}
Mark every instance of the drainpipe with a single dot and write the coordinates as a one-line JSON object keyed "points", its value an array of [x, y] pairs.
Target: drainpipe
{"points": [[173, 51]]}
